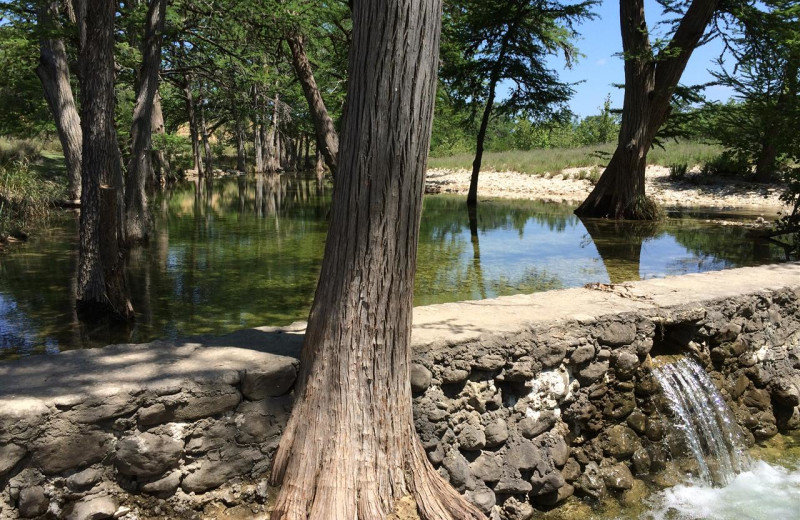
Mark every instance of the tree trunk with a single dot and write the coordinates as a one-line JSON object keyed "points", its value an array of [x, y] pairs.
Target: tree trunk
{"points": [[272, 151], [193, 126], [767, 162], [102, 291], [650, 82], [161, 165], [140, 169], [208, 166], [307, 160], [241, 154], [319, 164], [53, 71], [472, 195], [350, 450], [323, 124]]}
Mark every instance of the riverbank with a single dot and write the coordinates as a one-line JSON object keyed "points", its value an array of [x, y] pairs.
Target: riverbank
{"points": [[574, 185]]}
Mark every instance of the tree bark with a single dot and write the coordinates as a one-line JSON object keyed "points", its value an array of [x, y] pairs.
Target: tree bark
{"points": [[241, 154], [350, 450], [323, 124], [53, 71], [102, 291], [208, 160], [140, 169], [650, 82], [472, 195], [161, 165], [193, 126]]}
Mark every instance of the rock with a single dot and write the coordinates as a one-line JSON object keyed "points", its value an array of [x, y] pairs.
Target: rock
{"points": [[784, 392], [593, 372], [552, 354], [496, 433], [84, 480], [520, 371], [258, 421], [647, 385], [729, 332], [483, 497], [458, 469], [555, 497], [10, 455], [641, 461], [212, 473], [616, 333], [741, 384], [154, 414], [471, 438], [487, 467], [582, 354], [451, 376], [163, 487], [617, 476], [547, 483], [571, 470], [636, 495], [32, 502], [654, 430], [757, 398], [524, 456], [94, 508], [531, 427], [147, 455], [489, 363], [62, 451], [512, 486], [21, 419], [620, 442], [420, 378], [214, 401], [514, 509], [94, 411], [591, 483], [271, 380], [625, 365], [637, 421], [559, 450]]}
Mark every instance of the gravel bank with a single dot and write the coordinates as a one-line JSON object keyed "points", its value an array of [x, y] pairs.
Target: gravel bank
{"points": [[570, 187]]}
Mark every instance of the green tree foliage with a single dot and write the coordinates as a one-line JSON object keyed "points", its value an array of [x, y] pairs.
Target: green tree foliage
{"points": [[491, 45], [764, 40]]}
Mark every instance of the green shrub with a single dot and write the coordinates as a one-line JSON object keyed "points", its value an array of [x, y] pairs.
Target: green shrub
{"points": [[678, 171], [25, 197], [727, 164]]}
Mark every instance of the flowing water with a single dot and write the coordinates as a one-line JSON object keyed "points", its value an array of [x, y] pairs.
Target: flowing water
{"points": [[705, 422], [246, 252]]}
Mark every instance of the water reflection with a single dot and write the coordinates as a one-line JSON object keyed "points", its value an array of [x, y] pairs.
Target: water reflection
{"points": [[246, 251]]}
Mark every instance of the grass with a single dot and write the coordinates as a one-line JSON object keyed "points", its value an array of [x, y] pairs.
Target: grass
{"points": [[31, 180], [551, 161]]}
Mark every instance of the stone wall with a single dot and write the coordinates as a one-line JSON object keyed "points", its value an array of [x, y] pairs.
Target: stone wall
{"points": [[520, 402]]}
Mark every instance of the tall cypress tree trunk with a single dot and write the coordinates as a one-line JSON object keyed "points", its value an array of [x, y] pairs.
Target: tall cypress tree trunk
{"points": [[53, 71], [208, 160], [102, 290], [472, 195], [193, 125], [650, 81], [323, 124], [140, 169], [241, 154], [161, 166], [350, 450]]}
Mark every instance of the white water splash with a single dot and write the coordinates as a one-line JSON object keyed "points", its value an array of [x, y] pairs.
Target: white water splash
{"points": [[765, 492]]}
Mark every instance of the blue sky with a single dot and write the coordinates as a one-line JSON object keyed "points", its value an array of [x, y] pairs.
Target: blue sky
{"points": [[601, 67]]}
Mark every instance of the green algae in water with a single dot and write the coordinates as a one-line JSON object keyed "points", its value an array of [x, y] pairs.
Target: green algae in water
{"points": [[246, 252]]}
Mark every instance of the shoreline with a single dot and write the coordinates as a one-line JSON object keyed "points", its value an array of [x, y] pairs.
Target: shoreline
{"points": [[573, 185]]}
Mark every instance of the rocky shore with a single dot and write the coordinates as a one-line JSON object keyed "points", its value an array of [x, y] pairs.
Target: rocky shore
{"points": [[573, 185]]}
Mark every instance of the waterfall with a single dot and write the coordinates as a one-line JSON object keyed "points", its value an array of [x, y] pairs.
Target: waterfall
{"points": [[705, 421]]}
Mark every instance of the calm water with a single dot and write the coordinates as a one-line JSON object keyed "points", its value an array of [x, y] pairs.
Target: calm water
{"points": [[247, 251]]}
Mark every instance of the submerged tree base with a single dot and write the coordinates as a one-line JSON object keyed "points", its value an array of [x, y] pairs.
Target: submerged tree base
{"points": [[608, 206]]}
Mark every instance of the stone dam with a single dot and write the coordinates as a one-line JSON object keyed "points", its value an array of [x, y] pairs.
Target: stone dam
{"points": [[521, 402]]}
